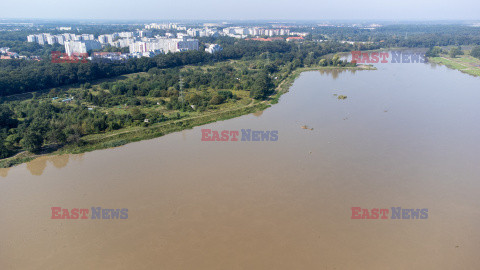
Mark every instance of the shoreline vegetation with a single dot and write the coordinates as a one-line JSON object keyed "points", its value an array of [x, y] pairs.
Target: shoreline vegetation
{"points": [[133, 134], [463, 63]]}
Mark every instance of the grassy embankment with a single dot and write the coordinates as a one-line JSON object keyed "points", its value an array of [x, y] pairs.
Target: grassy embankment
{"points": [[133, 134], [464, 63]]}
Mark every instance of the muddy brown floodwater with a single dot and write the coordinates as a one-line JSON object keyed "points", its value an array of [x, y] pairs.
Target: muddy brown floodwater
{"points": [[406, 136]]}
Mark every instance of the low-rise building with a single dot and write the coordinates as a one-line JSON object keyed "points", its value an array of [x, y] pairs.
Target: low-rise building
{"points": [[213, 48]]}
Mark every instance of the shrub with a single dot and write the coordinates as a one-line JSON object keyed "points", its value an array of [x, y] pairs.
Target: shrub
{"points": [[216, 100]]}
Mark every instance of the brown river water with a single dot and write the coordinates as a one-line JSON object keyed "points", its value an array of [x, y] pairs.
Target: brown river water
{"points": [[406, 136]]}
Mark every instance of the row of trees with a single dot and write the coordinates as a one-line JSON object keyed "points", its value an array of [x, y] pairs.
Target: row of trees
{"points": [[424, 36], [20, 76]]}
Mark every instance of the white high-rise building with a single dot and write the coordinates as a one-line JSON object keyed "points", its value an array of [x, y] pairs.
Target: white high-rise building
{"points": [[145, 33], [165, 45], [51, 40], [193, 32], [77, 47], [103, 39], [124, 42], [187, 44], [40, 39], [31, 38], [68, 36], [126, 34], [60, 39], [111, 38]]}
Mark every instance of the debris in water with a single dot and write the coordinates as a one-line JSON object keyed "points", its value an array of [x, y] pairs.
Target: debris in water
{"points": [[342, 97], [306, 127]]}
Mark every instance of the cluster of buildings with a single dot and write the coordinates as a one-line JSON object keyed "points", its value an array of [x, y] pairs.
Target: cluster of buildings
{"points": [[143, 43], [165, 26], [203, 32], [212, 30], [140, 43], [277, 38], [124, 39], [112, 56], [46, 38], [192, 32], [164, 45], [242, 32], [6, 54]]}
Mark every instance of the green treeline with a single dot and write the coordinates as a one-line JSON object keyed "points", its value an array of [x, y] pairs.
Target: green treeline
{"points": [[412, 36], [20, 76]]}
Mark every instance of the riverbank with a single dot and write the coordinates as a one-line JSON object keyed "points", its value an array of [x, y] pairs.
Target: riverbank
{"points": [[128, 135], [464, 63], [134, 134]]}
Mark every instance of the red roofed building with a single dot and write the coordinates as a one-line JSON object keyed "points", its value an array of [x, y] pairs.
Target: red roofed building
{"points": [[295, 38]]}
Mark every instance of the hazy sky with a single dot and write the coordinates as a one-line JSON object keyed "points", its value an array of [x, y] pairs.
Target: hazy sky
{"points": [[238, 10]]}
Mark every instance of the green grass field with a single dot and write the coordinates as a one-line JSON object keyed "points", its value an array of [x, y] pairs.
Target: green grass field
{"points": [[463, 63]]}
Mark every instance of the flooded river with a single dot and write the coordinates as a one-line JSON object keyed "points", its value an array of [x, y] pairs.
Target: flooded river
{"points": [[405, 136]]}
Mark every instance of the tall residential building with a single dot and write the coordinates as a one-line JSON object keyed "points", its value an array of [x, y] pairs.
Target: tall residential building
{"points": [[84, 37], [51, 40], [31, 38], [68, 36], [77, 47], [60, 39], [126, 34], [165, 45], [124, 42], [164, 26], [145, 33], [187, 44], [193, 32], [111, 38], [103, 39], [40, 39]]}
